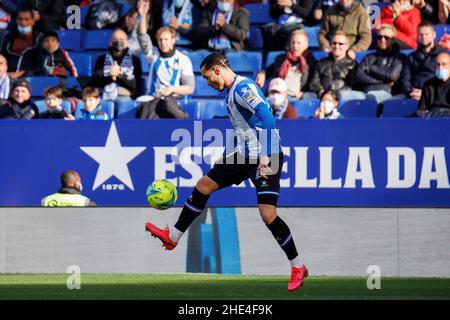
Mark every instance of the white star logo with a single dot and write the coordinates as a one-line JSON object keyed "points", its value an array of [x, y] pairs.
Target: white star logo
{"points": [[113, 159]]}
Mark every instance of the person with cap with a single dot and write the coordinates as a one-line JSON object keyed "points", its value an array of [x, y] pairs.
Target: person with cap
{"points": [[19, 105], [278, 99], [69, 195]]}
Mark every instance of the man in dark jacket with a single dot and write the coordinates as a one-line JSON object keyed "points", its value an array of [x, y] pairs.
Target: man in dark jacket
{"points": [[379, 73], [223, 29], [49, 14], [21, 46], [19, 106], [421, 64], [435, 100], [336, 71]]}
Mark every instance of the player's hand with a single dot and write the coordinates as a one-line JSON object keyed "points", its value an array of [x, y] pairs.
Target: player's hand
{"points": [[260, 79], [263, 167]]}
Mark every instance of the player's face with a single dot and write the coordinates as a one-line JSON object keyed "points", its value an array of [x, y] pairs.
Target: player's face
{"points": [[214, 78]]}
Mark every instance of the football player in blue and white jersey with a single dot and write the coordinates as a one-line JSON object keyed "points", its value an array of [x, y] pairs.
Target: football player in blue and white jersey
{"points": [[257, 157]]}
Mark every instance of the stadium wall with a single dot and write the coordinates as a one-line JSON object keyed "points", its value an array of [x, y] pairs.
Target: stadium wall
{"points": [[332, 241]]}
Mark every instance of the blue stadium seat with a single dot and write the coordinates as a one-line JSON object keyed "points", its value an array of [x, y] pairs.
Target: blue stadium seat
{"points": [[407, 51], [202, 90], [359, 108], [144, 64], [361, 54], [399, 107], [255, 40], [271, 56], [313, 33], [245, 61], [70, 39], [210, 109], [94, 56], [319, 54], [107, 106], [125, 109], [43, 107], [39, 84], [306, 107], [197, 58], [259, 13], [191, 107], [96, 39], [125, 9], [83, 63], [441, 29]]}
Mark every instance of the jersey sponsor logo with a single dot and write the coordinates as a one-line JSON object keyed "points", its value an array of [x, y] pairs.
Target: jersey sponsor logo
{"points": [[250, 97]]}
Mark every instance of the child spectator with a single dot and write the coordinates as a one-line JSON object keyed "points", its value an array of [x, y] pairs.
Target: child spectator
{"points": [[92, 108], [329, 104], [53, 99], [278, 99], [19, 106], [53, 60]]}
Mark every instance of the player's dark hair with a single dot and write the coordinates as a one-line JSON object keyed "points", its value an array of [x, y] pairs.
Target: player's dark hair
{"points": [[215, 59], [68, 177]]}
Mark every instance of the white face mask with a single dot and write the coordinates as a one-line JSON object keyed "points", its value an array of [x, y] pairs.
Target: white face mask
{"points": [[80, 186], [328, 107], [277, 99], [223, 6]]}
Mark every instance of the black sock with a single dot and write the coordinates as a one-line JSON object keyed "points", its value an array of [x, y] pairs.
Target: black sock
{"points": [[192, 209], [282, 234]]}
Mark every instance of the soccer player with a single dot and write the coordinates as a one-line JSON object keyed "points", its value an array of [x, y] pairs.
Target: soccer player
{"points": [[257, 157]]}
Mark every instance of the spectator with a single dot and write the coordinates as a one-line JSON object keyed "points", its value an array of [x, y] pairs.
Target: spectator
{"points": [[405, 18], [379, 72], [328, 109], [19, 105], [178, 14], [421, 64], [435, 11], [290, 15], [295, 67], [335, 72], [5, 81], [49, 14], [117, 71], [53, 60], [350, 17], [435, 100], [92, 108], [53, 100], [443, 11], [21, 46], [171, 73], [278, 99], [70, 193]]}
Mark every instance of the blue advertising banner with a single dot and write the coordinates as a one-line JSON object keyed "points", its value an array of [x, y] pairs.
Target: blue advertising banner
{"points": [[351, 162]]}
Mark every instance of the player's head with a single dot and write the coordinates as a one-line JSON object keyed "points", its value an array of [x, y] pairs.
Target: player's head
{"points": [[213, 68], [71, 179]]}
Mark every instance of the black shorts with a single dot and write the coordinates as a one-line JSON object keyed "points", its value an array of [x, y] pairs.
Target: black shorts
{"points": [[235, 168]]}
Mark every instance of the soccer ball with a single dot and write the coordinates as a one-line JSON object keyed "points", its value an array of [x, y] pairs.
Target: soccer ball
{"points": [[162, 194]]}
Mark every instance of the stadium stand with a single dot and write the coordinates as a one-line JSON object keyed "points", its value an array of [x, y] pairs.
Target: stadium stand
{"points": [[307, 107], [43, 107], [399, 108], [107, 106], [359, 108]]}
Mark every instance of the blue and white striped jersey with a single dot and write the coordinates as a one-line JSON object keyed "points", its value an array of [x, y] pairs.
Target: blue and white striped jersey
{"points": [[252, 119]]}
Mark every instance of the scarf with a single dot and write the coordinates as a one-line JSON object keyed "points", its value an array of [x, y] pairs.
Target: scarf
{"points": [[289, 61], [184, 18], [5, 86], [278, 114], [165, 73], [111, 91], [220, 42]]}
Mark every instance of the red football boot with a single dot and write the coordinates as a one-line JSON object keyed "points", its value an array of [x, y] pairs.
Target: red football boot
{"points": [[297, 276], [161, 234]]}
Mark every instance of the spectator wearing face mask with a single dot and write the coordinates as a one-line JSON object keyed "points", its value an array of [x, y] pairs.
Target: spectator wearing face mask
{"points": [[178, 14], [224, 29], [435, 100], [21, 46], [118, 71], [278, 99], [328, 108]]}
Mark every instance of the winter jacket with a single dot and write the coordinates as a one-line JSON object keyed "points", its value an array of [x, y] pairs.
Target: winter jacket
{"points": [[302, 9], [60, 59], [354, 24], [406, 24], [53, 15], [333, 75], [13, 110], [380, 70], [435, 94], [420, 66]]}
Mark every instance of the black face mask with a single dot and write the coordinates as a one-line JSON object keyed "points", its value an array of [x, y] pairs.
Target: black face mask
{"points": [[117, 46]]}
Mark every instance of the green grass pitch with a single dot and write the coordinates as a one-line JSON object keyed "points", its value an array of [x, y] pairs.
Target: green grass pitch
{"points": [[206, 286]]}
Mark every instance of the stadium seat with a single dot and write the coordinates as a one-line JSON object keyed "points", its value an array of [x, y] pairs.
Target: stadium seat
{"points": [[144, 64], [107, 106], [191, 107], [83, 63], [319, 54], [399, 107], [407, 51], [126, 7], [42, 106], [255, 40], [70, 39], [306, 107], [39, 84], [361, 54], [125, 109], [259, 13], [202, 90], [210, 109], [271, 56], [245, 61], [94, 56], [197, 58], [313, 33], [441, 29], [359, 108], [96, 39]]}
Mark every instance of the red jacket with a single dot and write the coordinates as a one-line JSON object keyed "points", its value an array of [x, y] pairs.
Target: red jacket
{"points": [[406, 24]]}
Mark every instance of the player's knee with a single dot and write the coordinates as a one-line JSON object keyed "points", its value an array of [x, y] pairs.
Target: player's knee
{"points": [[206, 185], [268, 213]]}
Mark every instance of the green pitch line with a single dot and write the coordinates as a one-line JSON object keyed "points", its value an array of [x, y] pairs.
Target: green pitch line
{"points": [[205, 286]]}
